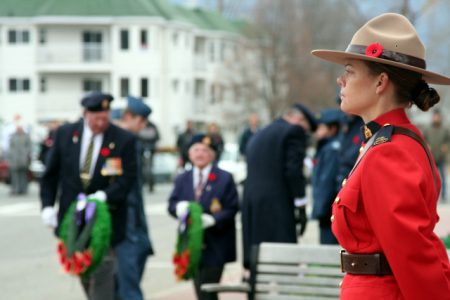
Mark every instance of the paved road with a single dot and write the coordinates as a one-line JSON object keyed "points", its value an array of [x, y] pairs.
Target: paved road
{"points": [[29, 267]]}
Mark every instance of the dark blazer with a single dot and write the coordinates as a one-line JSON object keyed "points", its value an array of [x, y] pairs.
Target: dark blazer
{"points": [[220, 239], [274, 178], [324, 177], [62, 175]]}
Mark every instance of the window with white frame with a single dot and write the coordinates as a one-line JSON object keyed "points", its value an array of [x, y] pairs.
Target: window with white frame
{"points": [[92, 85], [18, 36], [19, 85], [124, 87], [144, 87], [144, 39]]}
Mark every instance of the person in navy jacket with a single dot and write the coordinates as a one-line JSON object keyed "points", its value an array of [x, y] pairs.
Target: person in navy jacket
{"points": [[216, 191], [326, 166]]}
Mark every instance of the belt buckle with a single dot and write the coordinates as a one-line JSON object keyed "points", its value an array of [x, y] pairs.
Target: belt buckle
{"points": [[342, 261]]}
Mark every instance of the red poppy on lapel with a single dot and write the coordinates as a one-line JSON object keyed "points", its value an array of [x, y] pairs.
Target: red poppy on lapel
{"points": [[212, 177], [105, 152], [75, 136]]}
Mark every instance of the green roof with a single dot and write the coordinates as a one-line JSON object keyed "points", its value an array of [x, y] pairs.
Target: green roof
{"points": [[148, 8]]}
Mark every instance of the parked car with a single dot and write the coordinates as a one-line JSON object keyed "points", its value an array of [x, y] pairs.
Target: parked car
{"points": [[4, 171], [232, 162], [164, 166]]}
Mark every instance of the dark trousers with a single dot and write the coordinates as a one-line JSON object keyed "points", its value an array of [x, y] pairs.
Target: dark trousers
{"points": [[100, 284], [326, 235], [19, 181], [131, 258], [207, 275]]}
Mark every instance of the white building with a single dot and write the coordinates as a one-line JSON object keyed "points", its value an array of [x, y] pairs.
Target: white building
{"points": [[177, 59]]}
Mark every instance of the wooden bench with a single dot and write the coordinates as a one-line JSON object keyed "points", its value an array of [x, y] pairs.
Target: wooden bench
{"points": [[290, 271]]}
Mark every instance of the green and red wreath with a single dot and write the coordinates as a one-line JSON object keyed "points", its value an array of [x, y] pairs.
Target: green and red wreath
{"points": [[189, 243], [85, 235]]}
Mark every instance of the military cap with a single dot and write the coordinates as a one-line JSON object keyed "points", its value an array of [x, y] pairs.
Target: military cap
{"points": [[138, 107], [308, 115], [116, 113], [97, 101], [329, 116], [206, 140]]}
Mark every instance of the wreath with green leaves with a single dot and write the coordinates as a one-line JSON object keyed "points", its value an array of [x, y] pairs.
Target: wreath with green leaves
{"points": [[188, 249], [446, 241], [85, 235]]}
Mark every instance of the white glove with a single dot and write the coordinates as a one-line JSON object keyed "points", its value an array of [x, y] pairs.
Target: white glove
{"points": [[98, 195], [208, 221], [181, 208], [299, 202], [48, 216]]}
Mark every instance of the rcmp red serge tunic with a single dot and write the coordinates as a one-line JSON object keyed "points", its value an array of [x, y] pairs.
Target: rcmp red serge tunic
{"points": [[388, 205]]}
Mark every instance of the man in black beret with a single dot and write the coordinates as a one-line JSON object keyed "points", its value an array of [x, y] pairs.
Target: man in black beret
{"points": [[214, 189], [274, 191], [97, 158]]}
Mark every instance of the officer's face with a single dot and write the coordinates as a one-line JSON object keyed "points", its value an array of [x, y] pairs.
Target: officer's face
{"points": [[98, 122], [134, 123], [358, 88], [201, 155]]}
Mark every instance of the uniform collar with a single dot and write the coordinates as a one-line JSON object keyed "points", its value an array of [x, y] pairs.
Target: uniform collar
{"points": [[393, 117]]}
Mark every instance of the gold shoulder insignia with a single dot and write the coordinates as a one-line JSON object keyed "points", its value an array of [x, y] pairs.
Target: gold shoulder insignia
{"points": [[381, 140]]}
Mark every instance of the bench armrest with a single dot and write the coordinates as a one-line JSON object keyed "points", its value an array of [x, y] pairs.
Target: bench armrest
{"points": [[224, 288]]}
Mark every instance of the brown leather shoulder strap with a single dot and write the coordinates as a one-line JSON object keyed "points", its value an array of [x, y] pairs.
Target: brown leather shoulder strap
{"points": [[415, 136]]}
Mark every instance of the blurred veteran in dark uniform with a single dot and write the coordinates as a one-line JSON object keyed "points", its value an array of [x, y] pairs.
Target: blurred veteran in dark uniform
{"points": [[133, 251], [350, 138], [216, 191], [275, 183], [326, 166], [385, 213], [91, 156]]}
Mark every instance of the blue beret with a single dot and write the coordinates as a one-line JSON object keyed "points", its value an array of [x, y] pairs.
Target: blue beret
{"points": [[205, 139], [330, 116], [138, 107], [308, 115], [97, 101], [116, 113]]}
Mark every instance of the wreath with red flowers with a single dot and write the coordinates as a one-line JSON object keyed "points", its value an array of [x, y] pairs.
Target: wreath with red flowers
{"points": [[188, 249], [85, 235], [374, 50]]}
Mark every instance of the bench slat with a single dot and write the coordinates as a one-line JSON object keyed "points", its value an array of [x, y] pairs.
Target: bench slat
{"points": [[297, 270], [293, 253], [294, 290], [303, 280], [287, 297]]}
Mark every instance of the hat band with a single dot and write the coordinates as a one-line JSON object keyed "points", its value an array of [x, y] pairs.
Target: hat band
{"points": [[390, 55]]}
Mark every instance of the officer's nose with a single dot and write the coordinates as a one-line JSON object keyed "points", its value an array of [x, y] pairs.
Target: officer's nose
{"points": [[340, 81]]}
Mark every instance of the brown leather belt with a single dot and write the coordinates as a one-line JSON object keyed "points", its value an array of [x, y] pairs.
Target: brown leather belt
{"points": [[365, 264]]}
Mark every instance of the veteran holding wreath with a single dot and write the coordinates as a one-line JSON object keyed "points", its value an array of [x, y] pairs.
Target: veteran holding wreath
{"points": [[92, 162], [385, 213], [204, 197]]}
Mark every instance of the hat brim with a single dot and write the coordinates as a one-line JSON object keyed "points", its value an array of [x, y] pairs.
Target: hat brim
{"points": [[341, 57]]}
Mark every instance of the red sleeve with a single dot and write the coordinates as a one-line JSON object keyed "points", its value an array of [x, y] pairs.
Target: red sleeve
{"points": [[399, 199]]}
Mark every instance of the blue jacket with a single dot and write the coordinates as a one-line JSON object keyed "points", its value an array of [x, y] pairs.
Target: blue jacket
{"points": [[220, 239], [137, 228], [324, 176]]}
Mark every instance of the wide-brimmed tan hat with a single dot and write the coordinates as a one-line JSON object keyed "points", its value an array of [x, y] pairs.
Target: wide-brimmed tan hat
{"points": [[389, 39]]}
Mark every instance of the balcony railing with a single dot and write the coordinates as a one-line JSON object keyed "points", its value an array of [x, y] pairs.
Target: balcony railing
{"points": [[73, 55]]}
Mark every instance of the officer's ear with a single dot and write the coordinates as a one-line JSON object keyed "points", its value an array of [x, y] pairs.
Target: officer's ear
{"points": [[382, 83]]}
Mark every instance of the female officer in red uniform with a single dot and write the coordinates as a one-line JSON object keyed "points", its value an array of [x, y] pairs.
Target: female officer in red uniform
{"points": [[385, 213]]}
